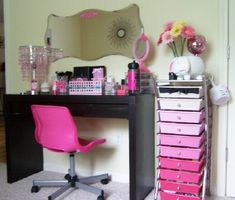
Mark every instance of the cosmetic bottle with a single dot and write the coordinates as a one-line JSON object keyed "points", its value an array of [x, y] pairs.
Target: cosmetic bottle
{"points": [[110, 88], [34, 83], [172, 76], [54, 87], [123, 89], [34, 87], [45, 88]]}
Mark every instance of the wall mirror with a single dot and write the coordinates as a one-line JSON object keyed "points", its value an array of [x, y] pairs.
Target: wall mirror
{"points": [[92, 34]]}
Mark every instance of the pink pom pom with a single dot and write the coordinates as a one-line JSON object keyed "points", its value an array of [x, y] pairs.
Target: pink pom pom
{"points": [[196, 45]]}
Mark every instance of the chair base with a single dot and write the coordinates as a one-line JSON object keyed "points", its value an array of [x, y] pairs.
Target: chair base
{"points": [[72, 181]]}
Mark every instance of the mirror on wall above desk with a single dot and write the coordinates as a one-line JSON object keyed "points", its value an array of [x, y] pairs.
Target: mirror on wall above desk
{"points": [[93, 33]]}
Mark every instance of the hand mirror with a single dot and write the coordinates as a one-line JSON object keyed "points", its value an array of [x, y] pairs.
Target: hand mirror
{"points": [[140, 51]]}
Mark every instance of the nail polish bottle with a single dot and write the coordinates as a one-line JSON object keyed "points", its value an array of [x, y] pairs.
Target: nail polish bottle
{"points": [[123, 89]]}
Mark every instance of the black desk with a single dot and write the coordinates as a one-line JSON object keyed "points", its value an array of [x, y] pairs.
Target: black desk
{"points": [[24, 155]]}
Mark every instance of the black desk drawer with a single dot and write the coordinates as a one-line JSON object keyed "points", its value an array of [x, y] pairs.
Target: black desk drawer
{"points": [[99, 110], [89, 110]]}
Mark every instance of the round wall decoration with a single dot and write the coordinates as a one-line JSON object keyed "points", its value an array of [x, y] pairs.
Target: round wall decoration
{"points": [[121, 33]]}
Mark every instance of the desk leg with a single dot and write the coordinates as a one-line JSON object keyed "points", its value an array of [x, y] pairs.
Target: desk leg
{"points": [[24, 155], [141, 147]]}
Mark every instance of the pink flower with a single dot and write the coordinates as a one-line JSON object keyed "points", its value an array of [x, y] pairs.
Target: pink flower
{"points": [[176, 34], [167, 37], [159, 39], [167, 26], [188, 32]]}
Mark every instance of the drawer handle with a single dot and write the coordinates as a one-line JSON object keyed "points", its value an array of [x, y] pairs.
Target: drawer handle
{"points": [[179, 105], [179, 129], [179, 153], [178, 176], [179, 142], [178, 198], [178, 164], [178, 188], [178, 117]]}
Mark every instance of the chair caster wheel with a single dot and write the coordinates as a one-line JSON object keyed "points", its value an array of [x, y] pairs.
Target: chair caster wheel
{"points": [[34, 189], [101, 197], [67, 177], [105, 181]]}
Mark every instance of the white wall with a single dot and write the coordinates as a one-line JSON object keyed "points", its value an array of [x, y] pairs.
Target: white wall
{"points": [[26, 24], [112, 157]]}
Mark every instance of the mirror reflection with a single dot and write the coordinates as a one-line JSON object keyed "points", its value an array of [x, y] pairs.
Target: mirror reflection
{"points": [[92, 34]]}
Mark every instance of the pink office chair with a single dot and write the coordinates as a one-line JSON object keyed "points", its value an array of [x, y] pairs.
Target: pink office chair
{"points": [[56, 130]]}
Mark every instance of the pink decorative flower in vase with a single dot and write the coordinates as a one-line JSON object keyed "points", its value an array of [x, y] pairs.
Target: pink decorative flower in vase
{"points": [[176, 36]]}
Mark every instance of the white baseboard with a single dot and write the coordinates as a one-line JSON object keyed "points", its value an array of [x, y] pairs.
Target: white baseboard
{"points": [[117, 177]]}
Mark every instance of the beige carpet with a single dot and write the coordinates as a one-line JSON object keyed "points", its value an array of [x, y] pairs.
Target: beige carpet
{"points": [[21, 190]]}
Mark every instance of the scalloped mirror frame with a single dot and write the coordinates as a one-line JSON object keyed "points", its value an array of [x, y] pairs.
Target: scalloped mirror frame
{"points": [[93, 34]]}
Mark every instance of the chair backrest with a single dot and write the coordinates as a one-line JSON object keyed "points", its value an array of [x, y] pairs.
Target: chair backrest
{"points": [[55, 128]]}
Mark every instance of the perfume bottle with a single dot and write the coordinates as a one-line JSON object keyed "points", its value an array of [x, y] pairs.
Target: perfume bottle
{"points": [[34, 87], [110, 86], [34, 83], [54, 87]]}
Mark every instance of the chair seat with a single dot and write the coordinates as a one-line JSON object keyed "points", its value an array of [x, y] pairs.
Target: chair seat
{"points": [[89, 144], [85, 146]]}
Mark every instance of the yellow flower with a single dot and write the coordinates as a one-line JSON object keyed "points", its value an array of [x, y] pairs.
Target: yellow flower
{"points": [[176, 28], [179, 23]]}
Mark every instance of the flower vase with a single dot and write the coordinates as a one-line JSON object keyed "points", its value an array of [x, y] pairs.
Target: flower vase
{"points": [[187, 67], [196, 67]]}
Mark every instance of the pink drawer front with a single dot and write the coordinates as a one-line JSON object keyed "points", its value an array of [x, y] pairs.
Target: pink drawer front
{"points": [[188, 165], [181, 116], [184, 141], [181, 176], [180, 152], [170, 196], [180, 187], [181, 129], [181, 104]]}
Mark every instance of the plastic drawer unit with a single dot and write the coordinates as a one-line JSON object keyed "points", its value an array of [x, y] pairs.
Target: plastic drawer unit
{"points": [[182, 147]]}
